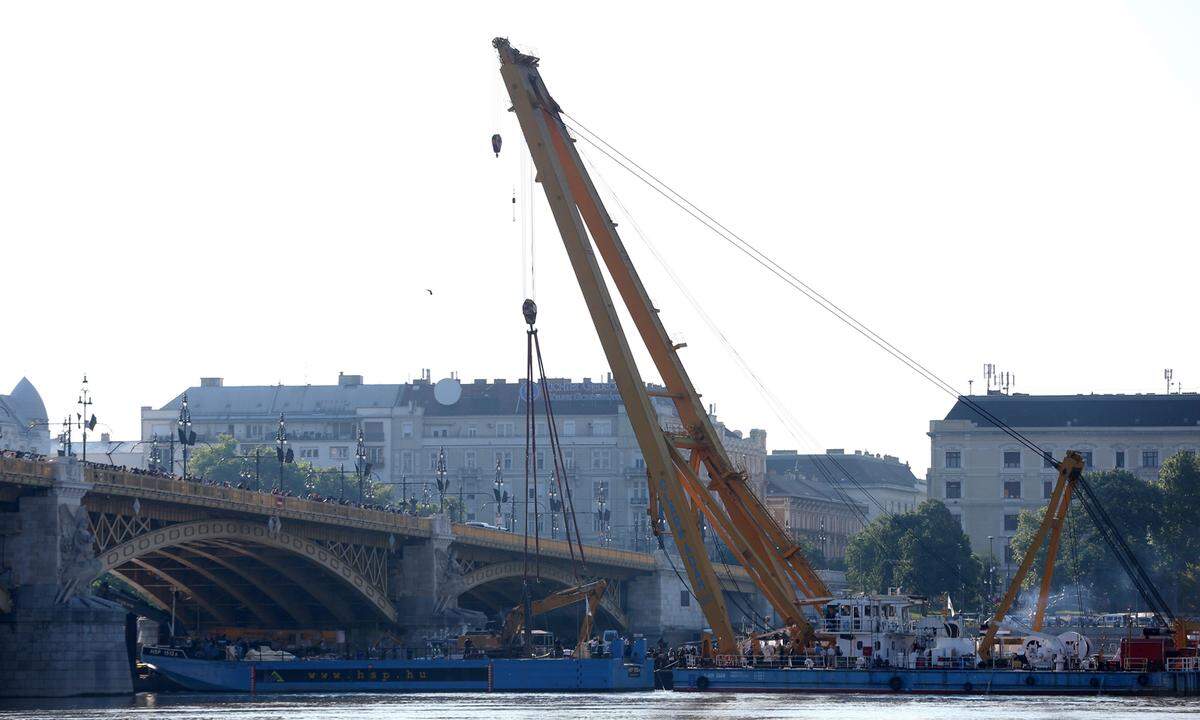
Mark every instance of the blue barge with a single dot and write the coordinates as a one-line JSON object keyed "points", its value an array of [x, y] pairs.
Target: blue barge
{"points": [[607, 674], [936, 682]]}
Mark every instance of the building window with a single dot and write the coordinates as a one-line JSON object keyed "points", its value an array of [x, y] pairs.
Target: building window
{"points": [[639, 462], [1010, 523], [504, 429], [568, 427], [469, 459], [406, 430], [373, 431], [1047, 489], [541, 459], [957, 518], [310, 453], [953, 490], [339, 453], [254, 431], [505, 459], [601, 459], [472, 431], [685, 598], [1047, 459], [1012, 490], [569, 459], [1120, 462], [1008, 552], [1087, 459], [406, 461], [539, 428], [433, 456], [1149, 458], [953, 459], [1012, 459], [375, 455], [602, 428]]}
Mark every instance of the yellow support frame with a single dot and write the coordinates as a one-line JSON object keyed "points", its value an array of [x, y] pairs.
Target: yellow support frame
{"points": [[1069, 470]]}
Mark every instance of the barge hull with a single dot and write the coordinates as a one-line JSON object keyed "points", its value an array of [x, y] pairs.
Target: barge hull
{"points": [[935, 682], [382, 676]]}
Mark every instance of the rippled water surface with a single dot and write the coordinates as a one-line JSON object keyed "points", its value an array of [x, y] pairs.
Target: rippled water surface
{"points": [[643, 706]]}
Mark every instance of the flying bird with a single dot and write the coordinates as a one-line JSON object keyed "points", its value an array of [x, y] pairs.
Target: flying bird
{"points": [[428, 291]]}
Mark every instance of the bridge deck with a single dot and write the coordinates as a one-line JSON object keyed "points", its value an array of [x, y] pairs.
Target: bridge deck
{"points": [[116, 482]]}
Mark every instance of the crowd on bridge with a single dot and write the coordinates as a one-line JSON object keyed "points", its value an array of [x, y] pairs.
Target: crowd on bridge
{"points": [[407, 507]]}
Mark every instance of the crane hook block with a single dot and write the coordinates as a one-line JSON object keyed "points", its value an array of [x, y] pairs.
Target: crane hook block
{"points": [[529, 308], [497, 141]]}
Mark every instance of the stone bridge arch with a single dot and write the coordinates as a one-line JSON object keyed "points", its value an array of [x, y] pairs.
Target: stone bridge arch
{"points": [[558, 575], [241, 531]]}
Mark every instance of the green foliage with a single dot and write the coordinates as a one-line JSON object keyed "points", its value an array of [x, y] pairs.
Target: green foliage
{"points": [[221, 462], [1157, 520], [923, 551]]}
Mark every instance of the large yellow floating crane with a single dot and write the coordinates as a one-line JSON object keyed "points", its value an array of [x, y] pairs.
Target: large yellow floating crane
{"points": [[769, 555]]}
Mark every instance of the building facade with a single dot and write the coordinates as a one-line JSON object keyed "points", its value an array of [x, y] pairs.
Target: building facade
{"points": [[987, 478], [880, 483], [477, 430], [24, 424]]}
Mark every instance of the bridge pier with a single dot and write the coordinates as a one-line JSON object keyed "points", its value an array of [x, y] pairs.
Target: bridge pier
{"points": [[57, 640], [418, 581]]}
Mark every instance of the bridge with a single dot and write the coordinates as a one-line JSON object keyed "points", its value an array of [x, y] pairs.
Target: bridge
{"points": [[224, 557]]}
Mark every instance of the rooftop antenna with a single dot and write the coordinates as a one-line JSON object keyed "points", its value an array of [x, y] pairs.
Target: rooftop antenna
{"points": [[971, 386], [1168, 375], [1007, 380], [989, 374]]}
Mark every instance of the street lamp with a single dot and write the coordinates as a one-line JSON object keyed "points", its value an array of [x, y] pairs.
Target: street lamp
{"points": [[187, 436], [246, 475], [155, 455], [439, 474], [500, 495], [991, 568], [86, 421], [555, 508], [282, 452], [362, 468], [603, 514]]}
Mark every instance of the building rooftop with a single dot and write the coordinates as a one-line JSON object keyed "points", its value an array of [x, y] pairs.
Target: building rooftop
{"points": [[212, 398], [864, 468], [1046, 411]]}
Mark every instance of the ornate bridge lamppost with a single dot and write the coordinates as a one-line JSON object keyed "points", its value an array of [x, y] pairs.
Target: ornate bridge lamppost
{"points": [[362, 468], [86, 420], [603, 516], [439, 474], [500, 495], [555, 509], [187, 436], [282, 451]]}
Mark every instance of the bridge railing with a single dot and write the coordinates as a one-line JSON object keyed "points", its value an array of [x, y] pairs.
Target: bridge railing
{"points": [[26, 468], [265, 503], [558, 548]]}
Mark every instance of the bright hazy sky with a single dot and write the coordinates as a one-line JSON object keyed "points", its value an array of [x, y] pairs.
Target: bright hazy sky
{"points": [[264, 191]]}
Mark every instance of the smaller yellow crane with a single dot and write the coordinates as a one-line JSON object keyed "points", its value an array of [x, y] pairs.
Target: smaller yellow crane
{"points": [[590, 594]]}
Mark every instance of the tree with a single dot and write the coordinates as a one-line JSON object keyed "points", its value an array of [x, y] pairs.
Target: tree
{"points": [[221, 462], [924, 551], [1156, 520], [1178, 539]]}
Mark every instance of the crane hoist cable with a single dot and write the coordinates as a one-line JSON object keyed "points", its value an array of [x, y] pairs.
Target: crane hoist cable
{"points": [[1108, 530], [764, 260], [535, 379]]}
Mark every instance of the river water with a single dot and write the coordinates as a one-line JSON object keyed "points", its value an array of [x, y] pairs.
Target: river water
{"points": [[660, 705]]}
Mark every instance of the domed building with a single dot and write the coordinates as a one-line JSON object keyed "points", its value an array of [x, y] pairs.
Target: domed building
{"points": [[23, 420]]}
